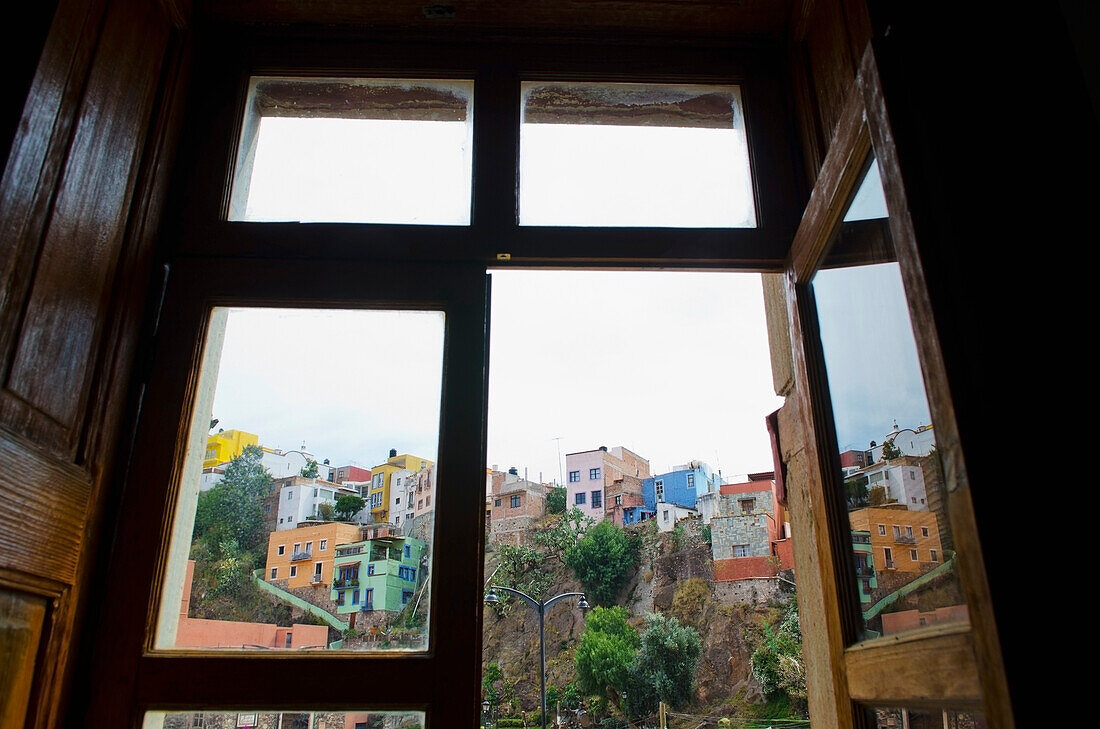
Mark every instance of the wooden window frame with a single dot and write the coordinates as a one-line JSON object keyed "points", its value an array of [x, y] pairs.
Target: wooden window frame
{"points": [[957, 666]]}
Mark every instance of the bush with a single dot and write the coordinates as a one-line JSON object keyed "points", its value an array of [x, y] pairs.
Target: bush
{"points": [[602, 560]]}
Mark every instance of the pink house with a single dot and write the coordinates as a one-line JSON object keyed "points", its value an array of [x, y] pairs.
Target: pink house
{"points": [[592, 474]]}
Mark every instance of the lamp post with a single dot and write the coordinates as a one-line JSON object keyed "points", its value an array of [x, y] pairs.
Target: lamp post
{"points": [[540, 608], [485, 712]]}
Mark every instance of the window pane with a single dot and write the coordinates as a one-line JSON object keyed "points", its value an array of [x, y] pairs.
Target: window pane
{"points": [[634, 155], [314, 435], [926, 719], [348, 150], [651, 430], [284, 720], [894, 484]]}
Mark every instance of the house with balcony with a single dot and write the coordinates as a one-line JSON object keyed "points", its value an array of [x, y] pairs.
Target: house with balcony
{"points": [[300, 497], [303, 556], [750, 534], [904, 543], [864, 558], [387, 495], [378, 574]]}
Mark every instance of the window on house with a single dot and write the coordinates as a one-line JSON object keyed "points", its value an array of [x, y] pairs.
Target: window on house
{"points": [[888, 556], [665, 514], [317, 567], [274, 573], [293, 570], [691, 480], [355, 597], [618, 499], [597, 499], [515, 501], [579, 498], [740, 550], [913, 555], [934, 556], [282, 549], [593, 474], [659, 490], [324, 545], [574, 476], [748, 506], [882, 530], [408, 550], [924, 532]]}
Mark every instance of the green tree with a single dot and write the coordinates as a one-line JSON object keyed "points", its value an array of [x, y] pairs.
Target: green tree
{"points": [[665, 667], [564, 533], [326, 511], [309, 470], [232, 511], [890, 451], [777, 662], [348, 506], [555, 500], [490, 688], [602, 560], [606, 652], [856, 490], [876, 496]]}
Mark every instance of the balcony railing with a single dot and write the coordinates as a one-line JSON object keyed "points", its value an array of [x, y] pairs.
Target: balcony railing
{"points": [[904, 539], [865, 571], [298, 556]]}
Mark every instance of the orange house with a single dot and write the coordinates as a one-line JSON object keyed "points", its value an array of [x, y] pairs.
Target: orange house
{"points": [[902, 540], [303, 556]]}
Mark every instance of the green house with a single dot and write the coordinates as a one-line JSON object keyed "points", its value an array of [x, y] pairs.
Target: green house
{"points": [[382, 573], [865, 564]]}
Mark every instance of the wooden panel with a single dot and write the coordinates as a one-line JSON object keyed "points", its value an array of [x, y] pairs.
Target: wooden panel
{"points": [[924, 669], [42, 522], [22, 618], [832, 66], [64, 312]]}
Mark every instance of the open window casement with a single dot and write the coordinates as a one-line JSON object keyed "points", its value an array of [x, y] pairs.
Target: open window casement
{"points": [[855, 259]]}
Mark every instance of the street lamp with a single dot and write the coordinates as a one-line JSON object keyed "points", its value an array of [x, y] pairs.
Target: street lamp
{"points": [[485, 712], [540, 608]]}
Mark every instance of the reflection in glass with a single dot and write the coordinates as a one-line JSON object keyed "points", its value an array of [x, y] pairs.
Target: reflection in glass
{"points": [[926, 719], [284, 720], [893, 479], [307, 498], [598, 154], [351, 150]]}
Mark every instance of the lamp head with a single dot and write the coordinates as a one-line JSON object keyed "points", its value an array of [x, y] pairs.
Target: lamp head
{"points": [[583, 604], [491, 598]]}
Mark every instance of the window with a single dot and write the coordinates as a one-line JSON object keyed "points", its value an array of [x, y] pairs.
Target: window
{"points": [[664, 514], [355, 597], [597, 499], [297, 548], [691, 480], [309, 547], [370, 569], [659, 490], [888, 555], [408, 551], [913, 555], [397, 520], [748, 506], [274, 573], [293, 570], [882, 530], [579, 498], [924, 532], [574, 476], [934, 555], [427, 501], [340, 597], [317, 567], [323, 545], [593, 474], [406, 595], [282, 550], [618, 499], [740, 550], [515, 501]]}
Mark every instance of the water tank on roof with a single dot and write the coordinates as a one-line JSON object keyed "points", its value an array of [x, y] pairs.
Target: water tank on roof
{"points": [[393, 453]]}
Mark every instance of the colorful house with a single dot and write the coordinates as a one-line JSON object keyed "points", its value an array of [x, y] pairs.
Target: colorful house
{"points": [[593, 473], [303, 556], [225, 445], [902, 539], [387, 483], [381, 573], [681, 486], [864, 556], [750, 535]]}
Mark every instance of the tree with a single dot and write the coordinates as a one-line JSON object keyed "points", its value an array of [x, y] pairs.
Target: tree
{"points": [[890, 451], [665, 667], [347, 506], [309, 470], [564, 533], [876, 496], [490, 691], [555, 500], [602, 560], [326, 511], [232, 511], [777, 662], [856, 490], [606, 652]]}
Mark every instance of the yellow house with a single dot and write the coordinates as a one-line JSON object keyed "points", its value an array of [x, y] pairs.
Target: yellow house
{"points": [[382, 481], [303, 556], [226, 445]]}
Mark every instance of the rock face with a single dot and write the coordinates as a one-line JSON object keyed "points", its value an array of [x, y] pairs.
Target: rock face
{"points": [[674, 577]]}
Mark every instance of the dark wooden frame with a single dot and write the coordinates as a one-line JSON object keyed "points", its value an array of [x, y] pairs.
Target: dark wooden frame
{"points": [[954, 666]]}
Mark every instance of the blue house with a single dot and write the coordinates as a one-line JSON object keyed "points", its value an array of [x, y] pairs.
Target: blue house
{"points": [[681, 486]]}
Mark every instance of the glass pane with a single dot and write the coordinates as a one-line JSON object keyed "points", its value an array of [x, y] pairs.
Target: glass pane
{"points": [[630, 461], [284, 720], [307, 497], [634, 155], [350, 150], [926, 719], [894, 484]]}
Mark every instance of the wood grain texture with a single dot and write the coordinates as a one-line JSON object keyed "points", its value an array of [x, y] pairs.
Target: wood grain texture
{"points": [[22, 617], [64, 313], [45, 502], [928, 670]]}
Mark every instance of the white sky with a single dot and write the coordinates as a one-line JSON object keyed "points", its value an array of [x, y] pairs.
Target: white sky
{"points": [[672, 365]]}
